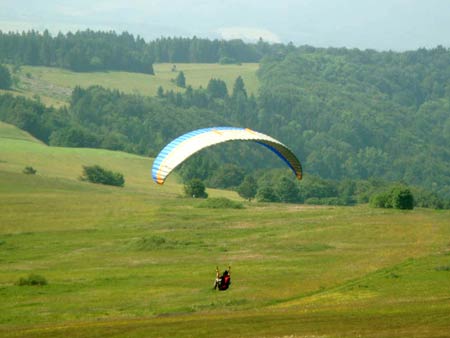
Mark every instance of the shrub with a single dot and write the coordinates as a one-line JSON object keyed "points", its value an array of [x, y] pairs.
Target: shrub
{"points": [[402, 198], [195, 188], [381, 200], [398, 197], [267, 194], [221, 203], [29, 171], [32, 279], [97, 174]]}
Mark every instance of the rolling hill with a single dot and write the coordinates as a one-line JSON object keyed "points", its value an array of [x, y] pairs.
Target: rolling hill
{"points": [[139, 261]]}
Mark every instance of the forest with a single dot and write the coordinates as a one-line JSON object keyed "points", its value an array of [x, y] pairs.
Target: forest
{"points": [[85, 51], [348, 114]]}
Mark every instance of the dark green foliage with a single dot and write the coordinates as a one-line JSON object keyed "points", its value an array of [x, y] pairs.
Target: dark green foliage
{"points": [[82, 51], [31, 116], [239, 88], [381, 200], [160, 92], [32, 280], [402, 198], [220, 203], [195, 188], [180, 80], [267, 194], [96, 51], [315, 187], [5, 78], [198, 166], [74, 136], [287, 190], [97, 174], [361, 114], [427, 199], [29, 170], [227, 176], [217, 89], [248, 188], [398, 197]]}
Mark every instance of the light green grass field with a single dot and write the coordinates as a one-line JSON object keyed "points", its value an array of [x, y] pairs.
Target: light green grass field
{"points": [[54, 85], [139, 261]]}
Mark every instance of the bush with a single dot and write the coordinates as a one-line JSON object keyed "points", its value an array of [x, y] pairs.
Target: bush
{"points": [[267, 194], [195, 188], [402, 198], [381, 200], [32, 279], [427, 199], [398, 197], [221, 203], [29, 171], [97, 174]]}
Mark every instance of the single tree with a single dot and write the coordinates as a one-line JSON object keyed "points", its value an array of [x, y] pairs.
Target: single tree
{"points": [[267, 194], [239, 88], [287, 190], [195, 188], [160, 92], [217, 89], [248, 188], [180, 80]]}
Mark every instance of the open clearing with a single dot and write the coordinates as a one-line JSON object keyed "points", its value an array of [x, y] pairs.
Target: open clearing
{"points": [[54, 85], [139, 261]]}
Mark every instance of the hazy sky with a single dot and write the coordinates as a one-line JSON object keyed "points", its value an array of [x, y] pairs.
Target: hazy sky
{"points": [[377, 24]]}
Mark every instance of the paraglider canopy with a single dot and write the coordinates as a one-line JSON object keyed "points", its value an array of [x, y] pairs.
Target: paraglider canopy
{"points": [[188, 144]]}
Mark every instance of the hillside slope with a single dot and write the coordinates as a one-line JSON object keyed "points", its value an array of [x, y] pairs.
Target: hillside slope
{"points": [[139, 261]]}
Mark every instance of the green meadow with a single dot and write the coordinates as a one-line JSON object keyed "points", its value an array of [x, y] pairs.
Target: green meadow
{"points": [[139, 261], [54, 85]]}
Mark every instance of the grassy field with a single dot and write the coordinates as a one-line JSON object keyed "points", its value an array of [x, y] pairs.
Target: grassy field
{"points": [[54, 85], [139, 261]]}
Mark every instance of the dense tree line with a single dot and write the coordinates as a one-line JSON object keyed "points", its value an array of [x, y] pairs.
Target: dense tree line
{"points": [[82, 51], [97, 51], [199, 50]]}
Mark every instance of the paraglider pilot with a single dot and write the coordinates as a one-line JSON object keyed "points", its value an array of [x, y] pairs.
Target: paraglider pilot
{"points": [[223, 281]]}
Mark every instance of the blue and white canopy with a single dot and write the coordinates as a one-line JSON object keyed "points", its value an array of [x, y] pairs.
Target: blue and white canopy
{"points": [[188, 144]]}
